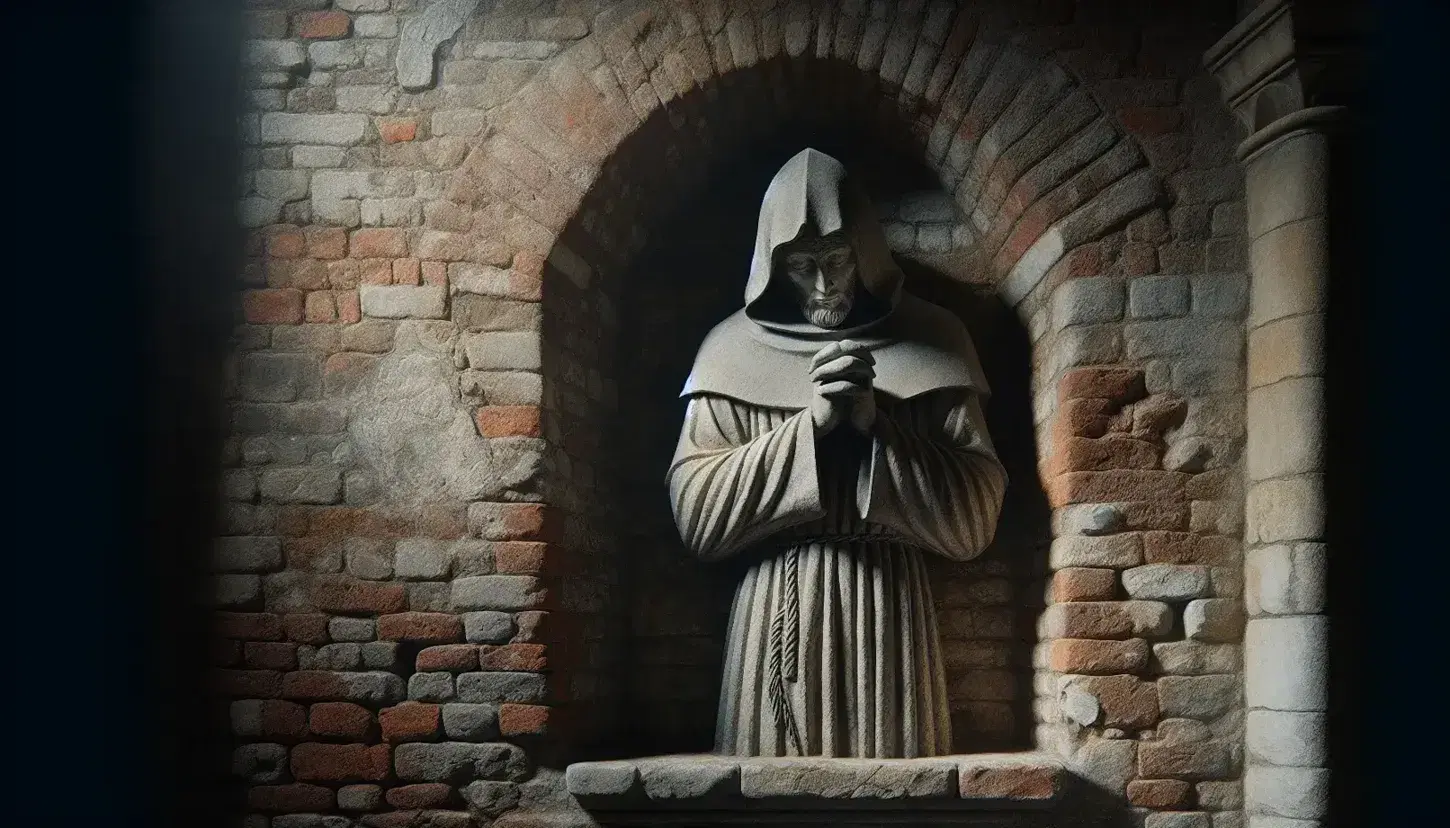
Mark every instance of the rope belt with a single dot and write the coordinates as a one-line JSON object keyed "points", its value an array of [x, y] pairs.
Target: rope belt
{"points": [[783, 664]]}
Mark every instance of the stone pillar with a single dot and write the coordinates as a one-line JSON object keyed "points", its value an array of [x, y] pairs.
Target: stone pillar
{"points": [[1266, 78]]}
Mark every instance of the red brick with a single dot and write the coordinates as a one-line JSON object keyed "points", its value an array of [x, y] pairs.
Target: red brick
{"points": [[313, 685], [272, 306], [1099, 658], [525, 287], [1085, 260], [422, 796], [1093, 619], [1209, 485], [343, 720], [1026, 782], [443, 521], [456, 658], [1104, 454], [1150, 120], [1127, 702], [325, 25], [1161, 794], [326, 242], [397, 130], [1189, 548], [1138, 259], [247, 684], [257, 626], [1083, 584], [319, 306], [379, 243], [338, 594], [1117, 385], [411, 722], [543, 627], [306, 628], [526, 658], [508, 420], [523, 719], [270, 655], [1151, 515], [1159, 413], [303, 274], [376, 272], [283, 721], [317, 762], [527, 521], [349, 309], [289, 799], [1083, 417], [285, 242], [437, 627], [520, 557], [435, 273], [406, 272], [1117, 486]]}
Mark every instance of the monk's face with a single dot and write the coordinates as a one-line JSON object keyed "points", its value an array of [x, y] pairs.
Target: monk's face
{"points": [[822, 271]]}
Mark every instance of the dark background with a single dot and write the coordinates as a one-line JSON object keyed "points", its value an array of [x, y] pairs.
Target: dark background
{"points": [[122, 169]]}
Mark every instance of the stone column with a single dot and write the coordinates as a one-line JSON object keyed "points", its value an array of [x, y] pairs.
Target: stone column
{"points": [[1265, 75]]}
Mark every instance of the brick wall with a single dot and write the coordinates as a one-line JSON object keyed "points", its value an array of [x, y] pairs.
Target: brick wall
{"points": [[430, 589]]}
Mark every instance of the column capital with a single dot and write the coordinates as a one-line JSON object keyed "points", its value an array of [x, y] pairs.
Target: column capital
{"points": [[1284, 57]]}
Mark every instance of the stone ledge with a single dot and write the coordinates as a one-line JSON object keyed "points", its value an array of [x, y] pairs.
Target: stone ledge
{"points": [[732, 785]]}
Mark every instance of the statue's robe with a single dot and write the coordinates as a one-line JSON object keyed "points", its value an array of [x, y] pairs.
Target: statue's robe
{"points": [[833, 647]]}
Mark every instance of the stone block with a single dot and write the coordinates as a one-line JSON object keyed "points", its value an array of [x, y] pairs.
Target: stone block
{"points": [[1113, 551], [504, 350], [497, 592], [1186, 336], [336, 129], [261, 763], [1090, 519], [1278, 737], [1285, 428], [368, 559], [1125, 701], [1294, 258], [1295, 793], [1199, 697], [1107, 763], [1220, 295], [1158, 297], [1191, 761], [404, 301], [359, 797], [1166, 582], [340, 656], [502, 687], [487, 627], [1087, 301], [320, 485], [466, 722], [1285, 663], [274, 55], [334, 54], [690, 780], [422, 559], [379, 655], [431, 687], [848, 779], [1213, 620], [1286, 579], [1287, 182], [342, 628], [1289, 347], [1286, 509], [458, 762], [1220, 796], [615, 778]]}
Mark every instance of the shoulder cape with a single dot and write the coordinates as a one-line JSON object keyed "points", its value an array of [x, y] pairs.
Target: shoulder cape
{"points": [[919, 347]]}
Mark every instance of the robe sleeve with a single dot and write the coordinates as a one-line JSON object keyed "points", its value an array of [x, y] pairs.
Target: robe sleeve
{"points": [[729, 489], [932, 476]]}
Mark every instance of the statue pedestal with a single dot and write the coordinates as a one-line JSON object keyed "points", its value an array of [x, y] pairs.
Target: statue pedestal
{"points": [[702, 790]]}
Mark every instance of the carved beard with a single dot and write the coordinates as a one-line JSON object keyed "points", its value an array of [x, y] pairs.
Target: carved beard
{"points": [[831, 315]]}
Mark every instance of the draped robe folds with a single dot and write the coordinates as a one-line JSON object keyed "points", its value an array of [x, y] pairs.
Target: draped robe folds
{"points": [[833, 648]]}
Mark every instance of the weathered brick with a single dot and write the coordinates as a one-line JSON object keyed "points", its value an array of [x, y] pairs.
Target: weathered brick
{"points": [[422, 559], [256, 626], [523, 719], [359, 797], [1118, 385], [403, 301], [1095, 657], [371, 689], [1194, 658], [1081, 584], [306, 628], [488, 627], [508, 420], [294, 798], [513, 657], [1127, 702], [1117, 486], [289, 128], [456, 658], [464, 722], [1113, 551], [1166, 582], [435, 627], [313, 762], [338, 594], [1108, 619], [1214, 620], [272, 306], [411, 722], [458, 762], [497, 687], [342, 720], [1199, 697], [326, 25], [1160, 794], [1191, 761], [421, 796], [1016, 783], [397, 130], [321, 485]]}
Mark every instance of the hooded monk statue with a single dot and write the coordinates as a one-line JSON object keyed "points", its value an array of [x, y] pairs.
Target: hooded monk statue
{"points": [[833, 437]]}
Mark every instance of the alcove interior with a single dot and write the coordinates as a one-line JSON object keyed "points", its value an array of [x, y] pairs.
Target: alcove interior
{"points": [[657, 639]]}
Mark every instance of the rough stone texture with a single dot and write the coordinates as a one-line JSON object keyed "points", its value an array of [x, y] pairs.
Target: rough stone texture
{"points": [[847, 779], [1166, 582], [1213, 620], [1279, 683]]}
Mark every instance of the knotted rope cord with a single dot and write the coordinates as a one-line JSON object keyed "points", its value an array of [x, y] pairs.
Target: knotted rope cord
{"points": [[785, 630]]}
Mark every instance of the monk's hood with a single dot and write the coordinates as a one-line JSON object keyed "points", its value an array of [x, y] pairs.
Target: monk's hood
{"points": [[761, 354]]}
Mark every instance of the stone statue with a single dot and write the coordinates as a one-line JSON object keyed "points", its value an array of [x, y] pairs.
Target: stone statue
{"points": [[833, 433]]}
